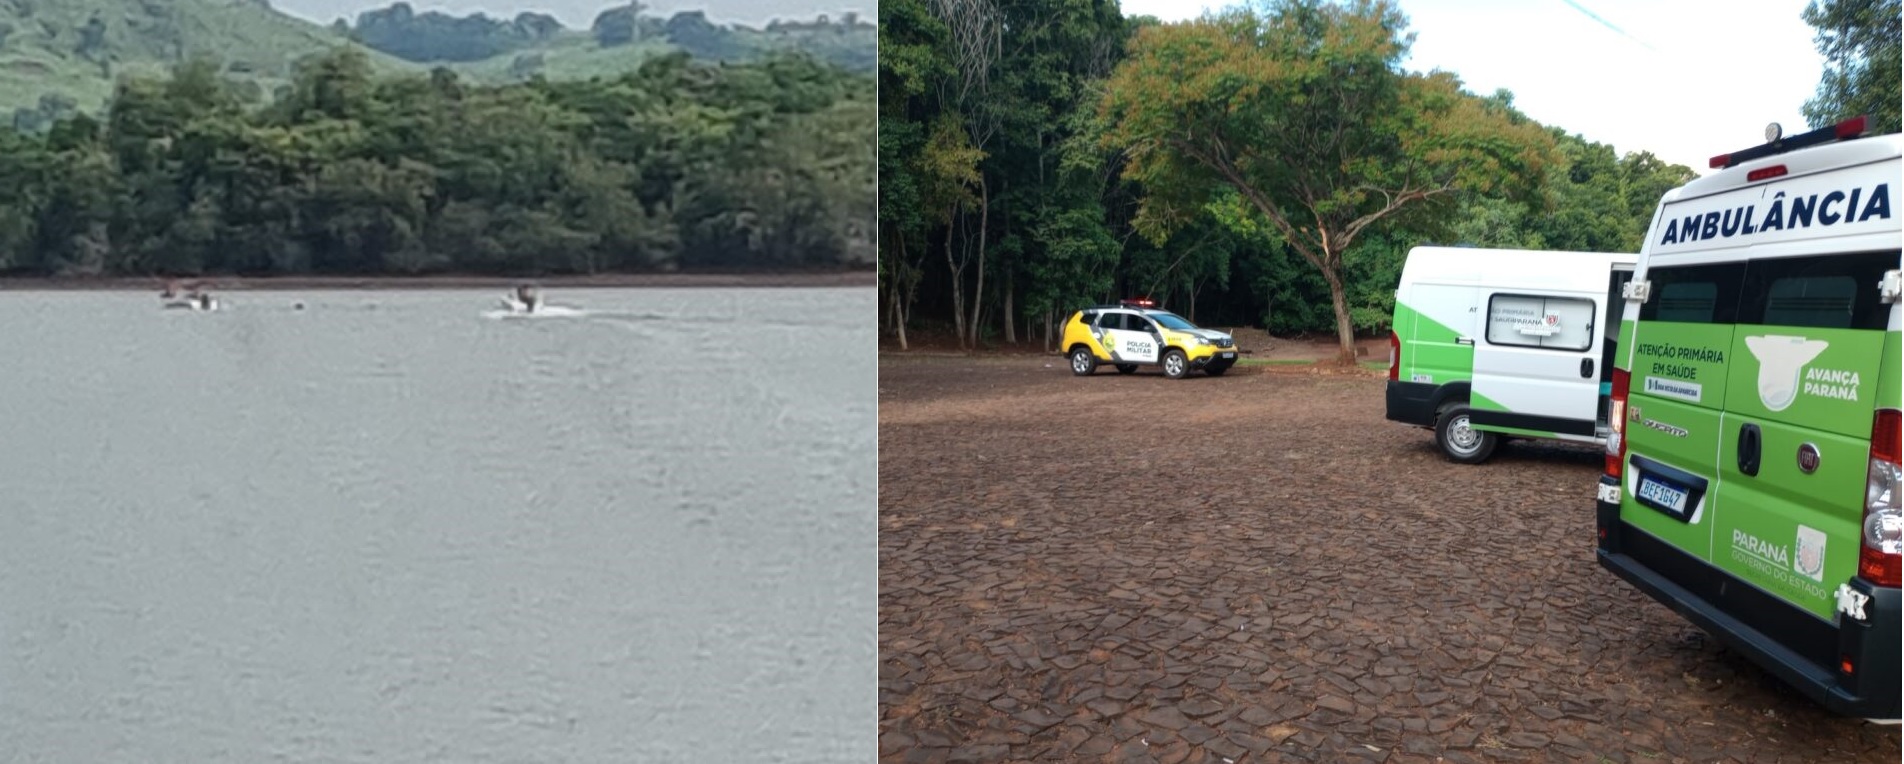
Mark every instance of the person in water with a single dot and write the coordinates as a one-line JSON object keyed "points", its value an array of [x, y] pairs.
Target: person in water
{"points": [[526, 295]]}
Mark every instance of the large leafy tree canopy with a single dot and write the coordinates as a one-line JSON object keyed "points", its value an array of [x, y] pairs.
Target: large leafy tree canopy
{"points": [[677, 164], [1303, 112], [1860, 40]]}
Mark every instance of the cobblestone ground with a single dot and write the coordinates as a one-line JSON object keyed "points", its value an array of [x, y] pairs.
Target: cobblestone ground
{"points": [[1261, 568]]}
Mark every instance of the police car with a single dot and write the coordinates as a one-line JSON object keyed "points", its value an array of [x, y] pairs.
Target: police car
{"points": [[1135, 333]]}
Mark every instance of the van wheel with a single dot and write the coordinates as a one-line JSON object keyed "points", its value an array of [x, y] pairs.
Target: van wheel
{"points": [[1175, 364], [1082, 362], [1126, 368], [1458, 439]]}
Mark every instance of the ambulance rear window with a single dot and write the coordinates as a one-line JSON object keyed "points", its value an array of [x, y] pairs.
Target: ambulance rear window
{"points": [[1810, 301], [1695, 294], [1825, 292]]}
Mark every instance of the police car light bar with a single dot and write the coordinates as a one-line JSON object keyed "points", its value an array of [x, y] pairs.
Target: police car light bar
{"points": [[1140, 302], [1850, 128]]}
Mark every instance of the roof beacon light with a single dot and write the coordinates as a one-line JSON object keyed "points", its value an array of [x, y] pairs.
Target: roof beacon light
{"points": [[1141, 302], [1776, 143], [1774, 171], [1850, 128]]}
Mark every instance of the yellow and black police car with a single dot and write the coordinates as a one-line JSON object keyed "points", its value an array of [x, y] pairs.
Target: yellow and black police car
{"points": [[1135, 333]]}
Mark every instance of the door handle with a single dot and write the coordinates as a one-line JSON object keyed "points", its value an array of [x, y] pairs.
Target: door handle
{"points": [[1749, 439], [1464, 340], [1586, 368]]}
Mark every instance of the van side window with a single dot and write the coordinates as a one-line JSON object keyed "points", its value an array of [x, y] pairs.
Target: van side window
{"points": [[1553, 323], [1827, 292], [1694, 294]]}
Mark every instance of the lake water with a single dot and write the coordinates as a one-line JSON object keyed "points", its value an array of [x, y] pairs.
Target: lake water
{"points": [[388, 527]]}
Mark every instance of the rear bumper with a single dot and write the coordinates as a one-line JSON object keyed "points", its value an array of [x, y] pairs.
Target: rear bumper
{"points": [[1793, 645], [1214, 358], [1412, 403]]}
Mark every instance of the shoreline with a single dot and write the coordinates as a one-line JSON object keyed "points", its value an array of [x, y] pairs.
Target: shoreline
{"points": [[855, 278]]}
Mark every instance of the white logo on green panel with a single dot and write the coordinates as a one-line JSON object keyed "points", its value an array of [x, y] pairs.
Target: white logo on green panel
{"points": [[1781, 359], [1810, 561], [1760, 548]]}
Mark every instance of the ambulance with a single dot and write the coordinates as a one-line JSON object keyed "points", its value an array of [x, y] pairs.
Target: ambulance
{"points": [[1495, 343], [1752, 476]]}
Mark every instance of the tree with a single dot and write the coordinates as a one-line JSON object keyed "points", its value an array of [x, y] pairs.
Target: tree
{"points": [[1860, 41], [620, 25], [1302, 110], [911, 62]]}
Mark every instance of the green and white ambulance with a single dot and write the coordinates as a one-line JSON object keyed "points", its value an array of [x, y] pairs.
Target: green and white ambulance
{"points": [[1752, 480], [1496, 343]]}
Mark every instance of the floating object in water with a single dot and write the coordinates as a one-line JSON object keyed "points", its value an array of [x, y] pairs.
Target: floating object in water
{"points": [[195, 302]]}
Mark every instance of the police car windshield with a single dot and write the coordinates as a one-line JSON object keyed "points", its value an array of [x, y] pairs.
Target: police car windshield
{"points": [[1170, 320]]}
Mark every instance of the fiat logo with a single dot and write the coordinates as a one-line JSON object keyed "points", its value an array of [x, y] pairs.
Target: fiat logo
{"points": [[1808, 458]]}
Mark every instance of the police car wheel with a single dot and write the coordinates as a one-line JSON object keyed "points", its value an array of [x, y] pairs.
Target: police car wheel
{"points": [[1126, 368], [1175, 364], [1459, 441], [1082, 362]]}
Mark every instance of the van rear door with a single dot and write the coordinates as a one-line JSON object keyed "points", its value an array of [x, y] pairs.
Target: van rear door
{"points": [[1536, 364], [1796, 435], [1680, 360]]}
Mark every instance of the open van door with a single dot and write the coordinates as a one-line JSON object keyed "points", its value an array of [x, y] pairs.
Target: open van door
{"points": [[1537, 361]]}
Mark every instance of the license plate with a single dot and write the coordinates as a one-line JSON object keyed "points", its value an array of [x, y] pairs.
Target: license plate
{"points": [[1228, 356], [1662, 495]]}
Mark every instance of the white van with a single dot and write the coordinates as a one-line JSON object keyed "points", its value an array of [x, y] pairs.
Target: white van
{"points": [[1494, 343], [1755, 480]]}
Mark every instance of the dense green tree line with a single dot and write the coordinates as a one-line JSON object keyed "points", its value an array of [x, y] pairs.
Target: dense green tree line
{"points": [[1267, 166], [678, 164], [435, 36]]}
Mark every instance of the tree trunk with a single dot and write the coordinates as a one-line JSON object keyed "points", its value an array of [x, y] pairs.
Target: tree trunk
{"points": [[958, 278], [1047, 331], [1011, 332], [1344, 329], [899, 316], [978, 292]]}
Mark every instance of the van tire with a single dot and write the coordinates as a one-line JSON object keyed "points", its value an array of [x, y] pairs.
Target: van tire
{"points": [[1176, 365], [1126, 368], [1082, 362], [1460, 442]]}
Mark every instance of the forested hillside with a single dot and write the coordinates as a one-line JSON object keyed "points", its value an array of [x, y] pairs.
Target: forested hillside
{"points": [[537, 44], [676, 164], [62, 56]]}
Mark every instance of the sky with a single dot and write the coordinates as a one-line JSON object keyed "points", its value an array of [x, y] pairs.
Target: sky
{"points": [[580, 14], [1684, 79]]}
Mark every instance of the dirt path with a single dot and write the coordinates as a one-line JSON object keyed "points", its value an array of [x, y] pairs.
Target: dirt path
{"points": [[1261, 568]]}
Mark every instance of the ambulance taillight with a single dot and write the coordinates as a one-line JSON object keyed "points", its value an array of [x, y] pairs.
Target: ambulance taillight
{"points": [[1394, 356], [1879, 557], [1616, 424]]}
